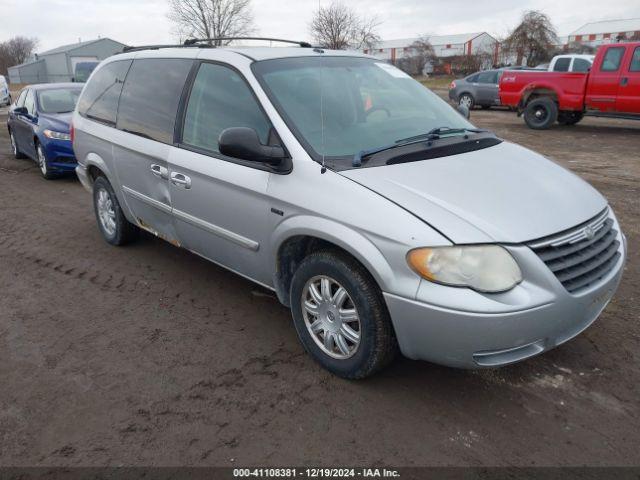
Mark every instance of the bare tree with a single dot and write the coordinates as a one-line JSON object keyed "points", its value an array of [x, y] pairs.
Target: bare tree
{"points": [[419, 54], [533, 38], [15, 51], [339, 27], [211, 18]]}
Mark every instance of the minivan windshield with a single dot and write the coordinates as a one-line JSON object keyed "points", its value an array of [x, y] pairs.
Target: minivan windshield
{"points": [[340, 106]]}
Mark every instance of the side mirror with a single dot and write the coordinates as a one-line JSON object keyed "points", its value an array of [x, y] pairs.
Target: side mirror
{"points": [[464, 111], [243, 143], [21, 111]]}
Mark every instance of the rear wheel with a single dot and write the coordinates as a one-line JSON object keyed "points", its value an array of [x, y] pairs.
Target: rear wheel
{"points": [[340, 315], [569, 118], [114, 226], [14, 147], [466, 100], [541, 113]]}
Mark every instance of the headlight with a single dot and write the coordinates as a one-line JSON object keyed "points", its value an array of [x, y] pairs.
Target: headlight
{"points": [[56, 135], [485, 268]]}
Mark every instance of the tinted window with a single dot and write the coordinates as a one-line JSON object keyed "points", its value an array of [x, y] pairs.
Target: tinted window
{"points": [[150, 97], [488, 77], [99, 100], [581, 65], [220, 99], [635, 61], [472, 78], [30, 102], [562, 65], [59, 100], [612, 59]]}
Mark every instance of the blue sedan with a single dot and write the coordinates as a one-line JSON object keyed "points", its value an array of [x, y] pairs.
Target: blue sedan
{"points": [[39, 126]]}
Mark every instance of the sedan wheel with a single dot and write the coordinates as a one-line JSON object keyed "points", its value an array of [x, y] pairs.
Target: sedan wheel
{"points": [[331, 317], [14, 146], [42, 163], [466, 100]]}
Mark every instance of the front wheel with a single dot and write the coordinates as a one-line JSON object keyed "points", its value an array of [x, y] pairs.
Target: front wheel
{"points": [[340, 315], [45, 170], [541, 113], [114, 226]]}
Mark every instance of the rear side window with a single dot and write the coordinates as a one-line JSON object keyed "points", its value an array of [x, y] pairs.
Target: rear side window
{"points": [[562, 65], [488, 77], [581, 65], [612, 59], [473, 78], [635, 61], [150, 97], [99, 100], [220, 99]]}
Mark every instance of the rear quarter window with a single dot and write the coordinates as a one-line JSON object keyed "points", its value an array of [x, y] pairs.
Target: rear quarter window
{"points": [[635, 61], [99, 100], [150, 97]]}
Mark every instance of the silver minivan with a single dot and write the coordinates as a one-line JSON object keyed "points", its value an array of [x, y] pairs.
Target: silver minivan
{"points": [[374, 210]]}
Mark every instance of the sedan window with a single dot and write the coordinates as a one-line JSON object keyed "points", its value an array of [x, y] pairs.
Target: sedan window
{"points": [[488, 77], [30, 103]]}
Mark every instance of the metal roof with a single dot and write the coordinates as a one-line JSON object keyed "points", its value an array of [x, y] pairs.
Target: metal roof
{"points": [[73, 46], [609, 26], [435, 40]]}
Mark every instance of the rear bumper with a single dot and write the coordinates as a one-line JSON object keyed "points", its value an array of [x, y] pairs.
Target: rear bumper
{"points": [[83, 176], [477, 339]]}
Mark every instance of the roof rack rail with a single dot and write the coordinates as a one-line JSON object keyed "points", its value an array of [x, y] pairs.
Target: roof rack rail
{"points": [[209, 41], [156, 47]]}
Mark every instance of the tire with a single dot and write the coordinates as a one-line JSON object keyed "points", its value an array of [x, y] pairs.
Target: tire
{"points": [[376, 344], [467, 100], [541, 113], [14, 147], [113, 225], [570, 118], [43, 165]]}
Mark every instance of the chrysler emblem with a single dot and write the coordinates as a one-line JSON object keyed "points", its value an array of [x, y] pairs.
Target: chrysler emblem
{"points": [[589, 233]]}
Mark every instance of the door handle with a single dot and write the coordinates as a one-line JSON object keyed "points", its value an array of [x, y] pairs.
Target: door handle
{"points": [[624, 81], [181, 180], [160, 171]]}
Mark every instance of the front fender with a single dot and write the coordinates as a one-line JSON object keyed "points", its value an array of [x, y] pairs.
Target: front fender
{"points": [[397, 280]]}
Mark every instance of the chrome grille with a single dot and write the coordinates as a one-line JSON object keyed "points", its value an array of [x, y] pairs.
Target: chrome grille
{"points": [[581, 256]]}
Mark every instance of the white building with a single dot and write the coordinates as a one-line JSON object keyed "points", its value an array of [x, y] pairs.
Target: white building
{"points": [[443, 45], [607, 31]]}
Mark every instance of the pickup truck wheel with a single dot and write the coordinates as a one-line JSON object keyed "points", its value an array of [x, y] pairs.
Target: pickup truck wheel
{"points": [[541, 113], [113, 225], [340, 315], [466, 100], [569, 118]]}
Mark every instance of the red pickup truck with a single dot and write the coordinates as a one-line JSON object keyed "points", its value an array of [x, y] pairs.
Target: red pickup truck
{"points": [[610, 89]]}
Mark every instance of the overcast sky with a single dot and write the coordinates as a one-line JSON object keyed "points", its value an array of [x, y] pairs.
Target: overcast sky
{"points": [[135, 22]]}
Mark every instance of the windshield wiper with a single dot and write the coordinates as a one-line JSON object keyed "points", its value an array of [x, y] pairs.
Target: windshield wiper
{"points": [[433, 134]]}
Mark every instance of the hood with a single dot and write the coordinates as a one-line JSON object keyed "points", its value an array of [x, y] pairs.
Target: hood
{"points": [[59, 122], [504, 193]]}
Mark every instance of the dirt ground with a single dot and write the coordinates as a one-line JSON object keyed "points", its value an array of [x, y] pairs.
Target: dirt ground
{"points": [[149, 355]]}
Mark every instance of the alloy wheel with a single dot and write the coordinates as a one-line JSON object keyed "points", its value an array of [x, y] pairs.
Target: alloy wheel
{"points": [[42, 161], [465, 101], [14, 146], [331, 317], [106, 212]]}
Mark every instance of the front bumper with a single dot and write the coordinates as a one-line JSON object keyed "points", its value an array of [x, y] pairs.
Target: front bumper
{"points": [[60, 155], [490, 330]]}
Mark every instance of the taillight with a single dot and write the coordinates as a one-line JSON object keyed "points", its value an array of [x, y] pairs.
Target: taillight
{"points": [[453, 85], [72, 132]]}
